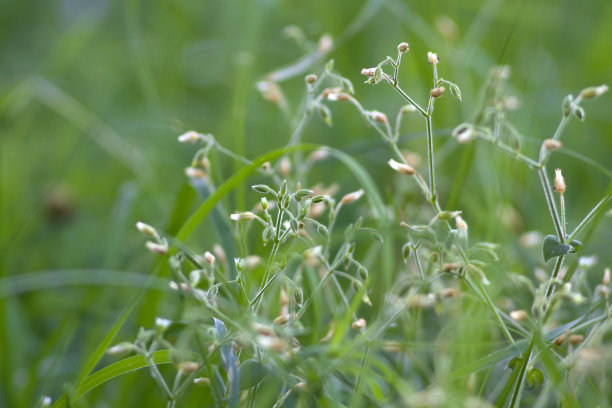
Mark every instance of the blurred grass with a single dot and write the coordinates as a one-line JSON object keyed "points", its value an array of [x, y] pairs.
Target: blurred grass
{"points": [[93, 94]]}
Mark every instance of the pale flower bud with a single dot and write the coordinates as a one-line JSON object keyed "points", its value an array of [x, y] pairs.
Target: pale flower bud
{"points": [[311, 79], [190, 137], [575, 339], [220, 253], [243, 216], [594, 92], [146, 229], [437, 92], [368, 71], [550, 144], [45, 402], [432, 58], [209, 258], [606, 277], [284, 167], [559, 182], [461, 224], [156, 248], [120, 348], [194, 172], [189, 367], [162, 324], [325, 44], [518, 315], [401, 167], [352, 197], [403, 47], [359, 324], [378, 116]]}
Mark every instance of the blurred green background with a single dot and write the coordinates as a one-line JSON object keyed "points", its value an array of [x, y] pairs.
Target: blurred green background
{"points": [[94, 92]]}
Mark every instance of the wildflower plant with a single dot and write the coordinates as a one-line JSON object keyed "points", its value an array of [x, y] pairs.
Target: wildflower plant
{"points": [[290, 307]]}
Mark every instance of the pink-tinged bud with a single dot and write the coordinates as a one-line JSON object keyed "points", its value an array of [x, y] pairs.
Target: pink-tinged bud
{"points": [[559, 182], [190, 137], [401, 167], [437, 92], [368, 71], [606, 277], [432, 58], [352, 197], [325, 44], [403, 47], [318, 155], [461, 224], [209, 258], [220, 253], [518, 315], [359, 324], [284, 167], [550, 144], [378, 117], [156, 248]]}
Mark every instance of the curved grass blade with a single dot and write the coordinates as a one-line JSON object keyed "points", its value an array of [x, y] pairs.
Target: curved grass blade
{"points": [[109, 372]]}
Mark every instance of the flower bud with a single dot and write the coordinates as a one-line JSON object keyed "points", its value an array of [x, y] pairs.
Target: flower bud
{"points": [[403, 47], [559, 182], [432, 58], [368, 71], [311, 79], [518, 315], [209, 258], [606, 278], [146, 229], [352, 197], [190, 137], [575, 339], [243, 216], [359, 324], [162, 324], [550, 144], [194, 172], [378, 117], [189, 367], [437, 92], [401, 167], [594, 91], [284, 167], [156, 248], [121, 348]]}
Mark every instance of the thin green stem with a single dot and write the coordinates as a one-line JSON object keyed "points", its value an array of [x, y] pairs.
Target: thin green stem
{"points": [[589, 217], [550, 202]]}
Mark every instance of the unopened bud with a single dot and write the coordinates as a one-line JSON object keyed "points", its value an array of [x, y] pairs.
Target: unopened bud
{"points": [[343, 97], [559, 182], [359, 324], [550, 144], [243, 216], [146, 229], [162, 324], [318, 155], [594, 91], [449, 292], [576, 339], [311, 79], [560, 340], [432, 58], [284, 167], [190, 137], [121, 348], [403, 47], [266, 166], [209, 258], [368, 71], [156, 248], [461, 224], [378, 117], [518, 315], [325, 44], [220, 253], [201, 381], [282, 319], [194, 172], [401, 167], [464, 133], [352, 197], [189, 367], [437, 92], [606, 277]]}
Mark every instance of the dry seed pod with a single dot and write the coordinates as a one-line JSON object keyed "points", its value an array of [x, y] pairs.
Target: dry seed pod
{"points": [[559, 182], [437, 92], [359, 324], [575, 339]]}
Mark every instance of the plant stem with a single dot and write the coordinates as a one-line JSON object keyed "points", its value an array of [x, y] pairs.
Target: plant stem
{"points": [[550, 202]]}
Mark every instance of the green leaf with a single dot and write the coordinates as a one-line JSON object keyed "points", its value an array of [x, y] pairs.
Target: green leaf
{"points": [[114, 370], [535, 378], [251, 373], [552, 247]]}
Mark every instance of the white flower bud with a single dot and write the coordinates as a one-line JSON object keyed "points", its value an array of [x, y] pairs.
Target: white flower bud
{"points": [[146, 229], [518, 315], [45, 402], [352, 197], [378, 117], [242, 216], [550, 144], [156, 248], [162, 324], [594, 91], [559, 182], [403, 47], [209, 258], [194, 172], [190, 137], [432, 58], [368, 71], [401, 167], [606, 277], [359, 324]]}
